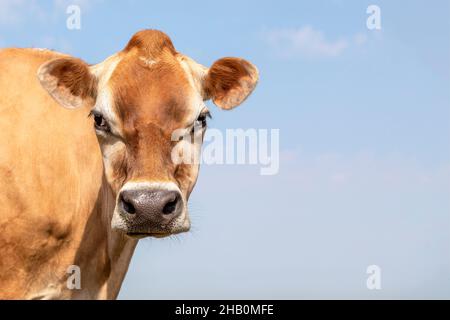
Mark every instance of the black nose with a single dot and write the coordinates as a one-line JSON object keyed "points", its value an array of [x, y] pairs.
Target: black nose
{"points": [[152, 205]]}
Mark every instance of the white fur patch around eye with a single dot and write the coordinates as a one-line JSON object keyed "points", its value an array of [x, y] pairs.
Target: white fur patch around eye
{"points": [[195, 74], [104, 102]]}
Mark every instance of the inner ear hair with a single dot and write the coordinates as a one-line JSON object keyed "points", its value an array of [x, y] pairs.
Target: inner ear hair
{"points": [[68, 80], [230, 81]]}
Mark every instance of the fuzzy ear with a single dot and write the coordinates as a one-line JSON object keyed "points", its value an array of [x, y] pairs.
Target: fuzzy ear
{"points": [[68, 80], [230, 81]]}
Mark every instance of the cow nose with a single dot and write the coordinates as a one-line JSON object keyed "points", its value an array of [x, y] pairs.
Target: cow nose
{"points": [[151, 204]]}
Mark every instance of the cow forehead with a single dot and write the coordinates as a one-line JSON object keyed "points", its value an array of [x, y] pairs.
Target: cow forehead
{"points": [[150, 84], [152, 91]]}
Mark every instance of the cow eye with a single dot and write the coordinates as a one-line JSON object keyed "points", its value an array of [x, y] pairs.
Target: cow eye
{"points": [[99, 122], [201, 121]]}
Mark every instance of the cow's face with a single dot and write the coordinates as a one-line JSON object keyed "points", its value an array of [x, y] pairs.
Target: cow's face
{"points": [[147, 108]]}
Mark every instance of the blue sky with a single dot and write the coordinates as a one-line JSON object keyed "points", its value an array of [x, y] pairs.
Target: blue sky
{"points": [[364, 119]]}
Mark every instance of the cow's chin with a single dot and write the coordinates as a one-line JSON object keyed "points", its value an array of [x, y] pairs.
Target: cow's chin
{"points": [[142, 230]]}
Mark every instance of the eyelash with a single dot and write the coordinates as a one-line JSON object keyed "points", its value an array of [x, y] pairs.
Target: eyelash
{"points": [[203, 119], [100, 122]]}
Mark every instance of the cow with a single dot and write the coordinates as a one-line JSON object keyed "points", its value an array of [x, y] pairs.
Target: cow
{"points": [[86, 159]]}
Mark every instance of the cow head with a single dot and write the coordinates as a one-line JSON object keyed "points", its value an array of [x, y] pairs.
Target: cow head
{"points": [[139, 97]]}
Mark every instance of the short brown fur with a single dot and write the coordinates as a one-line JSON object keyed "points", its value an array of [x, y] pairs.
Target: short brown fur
{"points": [[58, 191]]}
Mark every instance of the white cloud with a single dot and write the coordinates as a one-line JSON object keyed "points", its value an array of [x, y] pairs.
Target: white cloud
{"points": [[360, 38], [8, 12], [309, 42], [305, 41], [363, 172], [84, 4], [13, 12]]}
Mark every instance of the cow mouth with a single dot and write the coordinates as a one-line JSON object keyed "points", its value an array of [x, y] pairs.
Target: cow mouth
{"points": [[140, 235]]}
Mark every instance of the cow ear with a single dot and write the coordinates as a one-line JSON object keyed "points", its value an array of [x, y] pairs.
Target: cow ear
{"points": [[230, 81], [69, 81]]}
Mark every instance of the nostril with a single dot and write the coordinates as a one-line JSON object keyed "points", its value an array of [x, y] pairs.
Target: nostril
{"points": [[171, 206], [150, 204], [127, 206]]}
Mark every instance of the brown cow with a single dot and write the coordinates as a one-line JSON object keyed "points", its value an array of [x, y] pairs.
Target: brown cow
{"points": [[80, 191]]}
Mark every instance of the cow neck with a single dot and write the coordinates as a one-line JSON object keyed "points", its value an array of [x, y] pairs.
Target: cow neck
{"points": [[104, 268]]}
